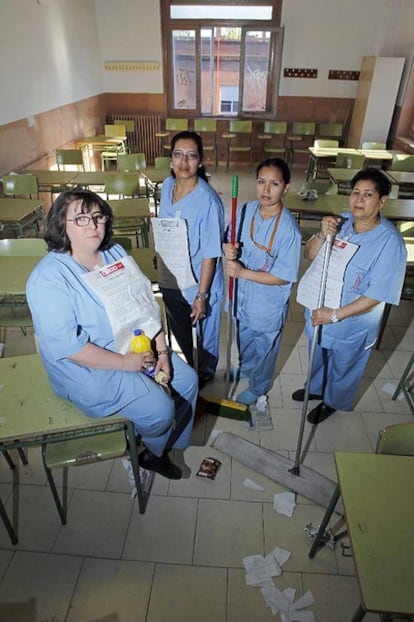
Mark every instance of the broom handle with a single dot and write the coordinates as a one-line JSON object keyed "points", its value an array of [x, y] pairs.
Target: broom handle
{"points": [[234, 193], [295, 470]]}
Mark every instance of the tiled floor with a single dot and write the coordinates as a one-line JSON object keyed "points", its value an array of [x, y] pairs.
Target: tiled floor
{"points": [[182, 560]]}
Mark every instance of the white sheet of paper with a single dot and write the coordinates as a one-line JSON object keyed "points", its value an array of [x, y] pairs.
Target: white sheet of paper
{"points": [[274, 598], [126, 294], [310, 284], [297, 616], [280, 555], [390, 389], [249, 483], [171, 244], [284, 503], [304, 601], [260, 569]]}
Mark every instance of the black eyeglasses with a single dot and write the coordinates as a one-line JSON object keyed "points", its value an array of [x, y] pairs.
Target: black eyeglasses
{"points": [[83, 220]]}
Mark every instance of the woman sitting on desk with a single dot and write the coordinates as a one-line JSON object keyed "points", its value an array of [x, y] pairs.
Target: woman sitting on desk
{"points": [[75, 333], [373, 276]]}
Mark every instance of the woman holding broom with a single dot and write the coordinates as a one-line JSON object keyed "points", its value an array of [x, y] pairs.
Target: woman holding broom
{"points": [[264, 262]]}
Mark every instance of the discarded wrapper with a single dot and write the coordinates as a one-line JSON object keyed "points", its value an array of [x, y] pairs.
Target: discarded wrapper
{"points": [[208, 468]]}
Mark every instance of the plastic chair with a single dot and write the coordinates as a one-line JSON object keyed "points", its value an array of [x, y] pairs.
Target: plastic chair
{"points": [[78, 452], [69, 157], [331, 130], [129, 124], [402, 162], [171, 125], [302, 133], [111, 153], [20, 185], [345, 160], [121, 184], [162, 162], [115, 131], [207, 129], [274, 138], [133, 162], [239, 139], [319, 164], [135, 223]]}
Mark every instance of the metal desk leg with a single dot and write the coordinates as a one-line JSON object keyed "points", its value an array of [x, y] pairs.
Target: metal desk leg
{"points": [[7, 524], [359, 614], [383, 324], [329, 511]]}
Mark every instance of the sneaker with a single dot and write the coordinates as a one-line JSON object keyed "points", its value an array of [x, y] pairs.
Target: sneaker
{"points": [[161, 465]]}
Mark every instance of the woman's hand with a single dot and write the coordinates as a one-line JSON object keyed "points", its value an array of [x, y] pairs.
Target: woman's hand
{"points": [[136, 362], [198, 310], [163, 368], [329, 225], [234, 269], [231, 251], [321, 316]]}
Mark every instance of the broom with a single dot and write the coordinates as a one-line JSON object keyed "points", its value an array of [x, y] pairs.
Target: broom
{"points": [[223, 406]]}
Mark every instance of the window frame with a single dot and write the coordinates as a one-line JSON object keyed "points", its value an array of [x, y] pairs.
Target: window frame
{"points": [[168, 25]]}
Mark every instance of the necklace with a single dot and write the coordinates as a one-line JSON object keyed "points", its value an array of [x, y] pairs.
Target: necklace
{"points": [[267, 248]]}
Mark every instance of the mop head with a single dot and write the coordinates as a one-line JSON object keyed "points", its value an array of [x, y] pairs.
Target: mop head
{"points": [[223, 408]]}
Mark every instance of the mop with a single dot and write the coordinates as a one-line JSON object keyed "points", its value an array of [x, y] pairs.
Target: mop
{"points": [[279, 468], [225, 407]]}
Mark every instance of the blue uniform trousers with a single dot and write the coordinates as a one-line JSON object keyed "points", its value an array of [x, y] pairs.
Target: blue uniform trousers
{"points": [[163, 421], [336, 374]]}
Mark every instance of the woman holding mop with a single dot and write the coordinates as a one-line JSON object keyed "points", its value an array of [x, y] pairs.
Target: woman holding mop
{"points": [[373, 276], [264, 262]]}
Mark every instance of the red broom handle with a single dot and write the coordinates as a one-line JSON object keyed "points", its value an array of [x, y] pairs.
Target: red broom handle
{"points": [[234, 193]]}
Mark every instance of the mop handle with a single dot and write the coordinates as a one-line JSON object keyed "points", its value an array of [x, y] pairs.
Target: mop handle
{"points": [[234, 193]]}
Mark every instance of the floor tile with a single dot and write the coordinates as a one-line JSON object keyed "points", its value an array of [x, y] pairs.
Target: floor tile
{"points": [[5, 559], [112, 590], [38, 522], [246, 602], [188, 594], [93, 527], [165, 533], [38, 586], [227, 531], [202, 487]]}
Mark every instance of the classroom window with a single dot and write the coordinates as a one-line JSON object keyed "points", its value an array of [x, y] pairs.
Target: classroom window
{"points": [[204, 58]]}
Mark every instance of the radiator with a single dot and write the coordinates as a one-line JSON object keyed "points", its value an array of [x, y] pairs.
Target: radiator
{"points": [[143, 139]]}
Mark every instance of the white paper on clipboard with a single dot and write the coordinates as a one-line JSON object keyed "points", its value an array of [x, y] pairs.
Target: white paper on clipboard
{"points": [[310, 284], [126, 294], [171, 244]]}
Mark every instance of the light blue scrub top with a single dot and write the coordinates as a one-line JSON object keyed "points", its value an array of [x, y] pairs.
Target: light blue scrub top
{"points": [[67, 315], [203, 212], [261, 307], [377, 271]]}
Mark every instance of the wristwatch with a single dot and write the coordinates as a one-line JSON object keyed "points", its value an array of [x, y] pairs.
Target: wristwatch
{"points": [[334, 317], [201, 296]]}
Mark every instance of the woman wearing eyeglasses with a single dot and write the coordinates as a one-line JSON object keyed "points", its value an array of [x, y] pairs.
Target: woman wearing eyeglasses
{"points": [[75, 332], [187, 195], [264, 263]]}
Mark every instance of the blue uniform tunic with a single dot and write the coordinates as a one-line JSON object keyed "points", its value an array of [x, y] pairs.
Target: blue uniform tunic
{"points": [[377, 271], [261, 310], [66, 315], [203, 212]]}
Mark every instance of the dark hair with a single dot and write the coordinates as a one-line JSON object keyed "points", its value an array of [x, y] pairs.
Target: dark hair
{"points": [[56, 237], [187, 135], [275, 163], [380, 180]]}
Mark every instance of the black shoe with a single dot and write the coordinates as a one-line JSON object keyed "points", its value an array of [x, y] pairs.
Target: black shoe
{"points": [[299, 395], [163, 466], [320, 413]]}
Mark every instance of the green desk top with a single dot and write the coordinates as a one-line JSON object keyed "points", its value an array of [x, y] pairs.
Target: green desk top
{"points": [[15, 247], [97, 178], [378, 497], [29, 408], [156, 175], [394, 209], [52, 178], [14, 272], [342, 174], [401, 177], [14, 210]]}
